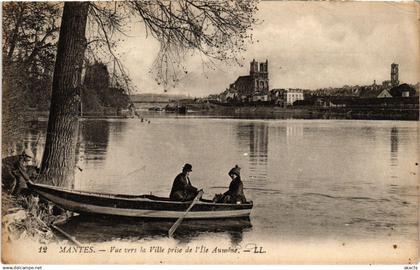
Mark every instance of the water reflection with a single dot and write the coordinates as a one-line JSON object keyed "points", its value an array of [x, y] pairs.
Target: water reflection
{"points": [[368, 132], [285, 159], [91, 229], [14, 148], [294, 132], [117, 127], [253, 139], [233, 228], [394, 146], [94, 138], [32, 140]]}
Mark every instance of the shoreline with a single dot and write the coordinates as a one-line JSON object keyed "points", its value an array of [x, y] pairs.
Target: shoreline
{"points": [[273, 112], [261, 112]]}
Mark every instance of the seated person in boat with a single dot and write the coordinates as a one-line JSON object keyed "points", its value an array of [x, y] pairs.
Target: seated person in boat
{"points": [[182, 190], [235, 194], [16, 171]]}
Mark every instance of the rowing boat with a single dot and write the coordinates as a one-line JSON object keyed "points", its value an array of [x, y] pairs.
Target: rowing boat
{"points": [[141, 206]]}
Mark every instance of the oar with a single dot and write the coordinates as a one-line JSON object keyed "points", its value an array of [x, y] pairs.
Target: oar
{"points": [[178, 222], [68, 236]]}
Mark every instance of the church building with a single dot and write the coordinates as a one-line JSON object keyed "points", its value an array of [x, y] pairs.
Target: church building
{"points": [[253, 87]]}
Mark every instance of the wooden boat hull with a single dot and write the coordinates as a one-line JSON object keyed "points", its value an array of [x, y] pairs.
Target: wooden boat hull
{"points": [[143, 206]]}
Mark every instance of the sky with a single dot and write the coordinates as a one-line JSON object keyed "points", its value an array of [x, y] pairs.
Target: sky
{"points": [[308, 45]]}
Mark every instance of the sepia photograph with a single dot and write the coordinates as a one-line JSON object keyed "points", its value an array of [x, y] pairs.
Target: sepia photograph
{"points": [[234, 132]]}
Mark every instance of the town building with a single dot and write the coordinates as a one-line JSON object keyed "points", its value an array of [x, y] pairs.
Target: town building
{"points": [[253, 87], [403, 90], [374, 90], [384, 94], [277, 96], [293, 95], [229, 96], [286, 97]]}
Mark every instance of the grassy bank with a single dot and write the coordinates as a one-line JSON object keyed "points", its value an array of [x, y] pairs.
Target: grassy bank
{"points": [[26, 217]]}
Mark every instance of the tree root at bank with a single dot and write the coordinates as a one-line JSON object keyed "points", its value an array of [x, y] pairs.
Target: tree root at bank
{"points": [[29, 218]]}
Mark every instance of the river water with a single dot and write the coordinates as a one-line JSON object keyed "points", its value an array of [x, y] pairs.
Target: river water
{"points": [[310, 180]]}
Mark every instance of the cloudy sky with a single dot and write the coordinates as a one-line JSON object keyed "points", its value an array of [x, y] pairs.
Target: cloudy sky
{"points": [[308, 45]]}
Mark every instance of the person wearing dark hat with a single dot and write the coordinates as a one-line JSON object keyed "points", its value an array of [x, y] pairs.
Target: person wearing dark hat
{"points": [[235, 194], [15, 174], [182, 190]]}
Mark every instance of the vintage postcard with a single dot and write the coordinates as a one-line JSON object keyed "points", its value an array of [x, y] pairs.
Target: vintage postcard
{"points": [[210, 132]]}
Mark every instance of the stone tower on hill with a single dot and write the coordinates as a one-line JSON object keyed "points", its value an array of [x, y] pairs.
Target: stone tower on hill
{"points": [[394, 75], [259, 76]]}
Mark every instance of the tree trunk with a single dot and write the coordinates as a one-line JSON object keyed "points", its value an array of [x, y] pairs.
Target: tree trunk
{"points": [[58, 162]]}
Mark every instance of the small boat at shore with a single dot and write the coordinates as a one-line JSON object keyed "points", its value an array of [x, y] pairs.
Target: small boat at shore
{"points": [[140, 206]]}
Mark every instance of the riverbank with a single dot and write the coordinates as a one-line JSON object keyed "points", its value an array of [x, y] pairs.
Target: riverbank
{"points": [[263, 112], [27, 217], [275, 112]]}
